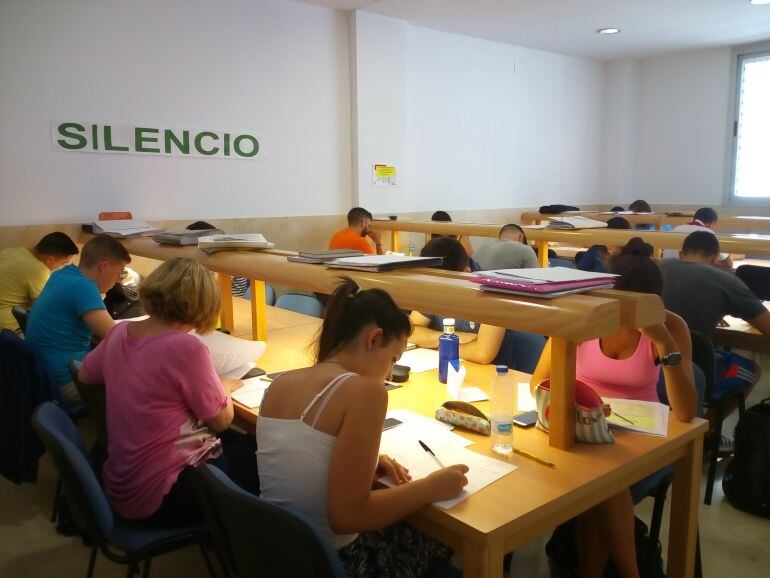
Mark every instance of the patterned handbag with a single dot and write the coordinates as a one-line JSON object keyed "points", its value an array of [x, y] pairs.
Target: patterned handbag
{"points": [[464, 415], [590, 413]]}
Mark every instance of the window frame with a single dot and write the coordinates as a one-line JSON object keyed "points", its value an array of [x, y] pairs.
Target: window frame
{"points": [[740, 54]]}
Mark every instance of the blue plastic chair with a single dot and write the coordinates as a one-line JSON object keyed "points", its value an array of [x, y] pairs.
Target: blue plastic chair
{"points": [[306, 304], [257, 538], [121, 541], [553, 262], [269, 294]]}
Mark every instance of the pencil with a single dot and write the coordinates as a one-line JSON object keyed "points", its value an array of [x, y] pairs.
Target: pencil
{"points": [[623, 418], [533, 457]]}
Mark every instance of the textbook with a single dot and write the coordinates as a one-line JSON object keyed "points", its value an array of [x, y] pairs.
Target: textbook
{"points": [[124, 228], [576, 222], [376, 263], [184, 237], [247, 241], [318, 257]]}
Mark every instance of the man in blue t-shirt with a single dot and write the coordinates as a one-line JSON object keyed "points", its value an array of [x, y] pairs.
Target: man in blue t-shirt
{"points": [[70, 310]]}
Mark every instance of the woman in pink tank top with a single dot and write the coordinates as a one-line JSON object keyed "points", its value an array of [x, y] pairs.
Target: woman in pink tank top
{"points": [[627, 365]]}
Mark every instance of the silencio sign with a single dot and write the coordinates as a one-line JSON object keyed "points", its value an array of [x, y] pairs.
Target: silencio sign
{"points": [[148, 140]]}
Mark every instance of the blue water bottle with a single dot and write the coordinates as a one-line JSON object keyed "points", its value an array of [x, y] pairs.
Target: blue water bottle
{"points": [[448, 349]]}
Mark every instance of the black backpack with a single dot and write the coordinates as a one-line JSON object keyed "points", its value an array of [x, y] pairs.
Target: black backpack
{"points": [[746, 482]]}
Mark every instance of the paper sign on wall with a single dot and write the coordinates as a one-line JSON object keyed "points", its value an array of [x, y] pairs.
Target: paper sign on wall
{"points": [[384, 175]]}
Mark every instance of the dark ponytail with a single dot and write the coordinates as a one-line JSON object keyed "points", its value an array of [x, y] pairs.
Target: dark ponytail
{"points": [[351, 309], [637, 269]]}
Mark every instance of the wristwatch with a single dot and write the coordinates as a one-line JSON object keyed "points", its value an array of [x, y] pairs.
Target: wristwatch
{"points": [[671, 359]]}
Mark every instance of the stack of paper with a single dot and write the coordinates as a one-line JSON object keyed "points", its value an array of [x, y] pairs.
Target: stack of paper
{"points": [[374, 263], [248, 241], [124, 228], [232, 357], [419, 359], [402, 443], [648, 417], [184, 237], [576, 222], [318, 257], [251, 393]]}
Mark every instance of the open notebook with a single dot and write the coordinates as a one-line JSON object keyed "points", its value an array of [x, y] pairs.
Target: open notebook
{"points": [[576, 222], [384, 262]]}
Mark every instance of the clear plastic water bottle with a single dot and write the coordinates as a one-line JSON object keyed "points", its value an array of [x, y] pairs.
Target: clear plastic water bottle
{"points": [[502, 402], [410, 249], [448, 349]]}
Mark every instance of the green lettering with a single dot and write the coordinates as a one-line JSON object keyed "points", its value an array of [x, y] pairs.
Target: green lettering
{"points": [[227, 144], [254, 145], [108, 146], [66, 130], [140, 139], [183, 146], [199, 137], [95, 137]]}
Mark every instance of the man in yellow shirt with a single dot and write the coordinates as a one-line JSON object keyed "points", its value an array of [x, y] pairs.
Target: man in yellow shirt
{"points": [[24, 272]]}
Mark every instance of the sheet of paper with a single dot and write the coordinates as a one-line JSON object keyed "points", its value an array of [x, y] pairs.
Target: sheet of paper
{"points": [[551, 274], [376, 260], [140, 318], [231, 353], [472, 395], [419, 359], [251, 393], [525, 399], [645, 416], [540, 226], [454, 380], [482, 470]]}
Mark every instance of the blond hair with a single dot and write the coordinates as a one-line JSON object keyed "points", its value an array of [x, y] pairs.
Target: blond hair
{"points": [[182, 291]]}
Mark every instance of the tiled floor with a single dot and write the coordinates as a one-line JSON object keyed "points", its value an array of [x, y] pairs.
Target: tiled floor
{"points": [[734, 544]]}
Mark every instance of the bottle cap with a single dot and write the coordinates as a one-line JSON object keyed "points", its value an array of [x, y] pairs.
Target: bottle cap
{"points": [[449, 321], [501, 368]]}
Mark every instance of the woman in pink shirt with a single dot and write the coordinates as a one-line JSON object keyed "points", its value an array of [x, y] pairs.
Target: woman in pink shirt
{"points": [[627, 365], [164, 399]]}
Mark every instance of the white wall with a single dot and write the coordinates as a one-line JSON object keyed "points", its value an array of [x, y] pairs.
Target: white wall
{"points": [[483, 124], [682, 127], [274, 66]]}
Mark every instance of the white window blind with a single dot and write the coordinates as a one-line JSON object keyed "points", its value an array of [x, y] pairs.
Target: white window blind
{"points": [[752, 143]]}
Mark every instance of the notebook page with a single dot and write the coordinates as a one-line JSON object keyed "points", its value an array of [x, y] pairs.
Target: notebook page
{"points": [[231, 353]]}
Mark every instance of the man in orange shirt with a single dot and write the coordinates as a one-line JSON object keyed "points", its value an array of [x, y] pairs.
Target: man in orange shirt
{"points": [[354, 235]]}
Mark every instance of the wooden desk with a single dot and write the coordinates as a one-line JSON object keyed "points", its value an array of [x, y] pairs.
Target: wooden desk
{"points": [[276, 318], [742, 335], [568, 320], [740, 223], [533, 499], [735, 244]]}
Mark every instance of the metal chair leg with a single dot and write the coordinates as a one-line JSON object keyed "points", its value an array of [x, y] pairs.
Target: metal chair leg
{"points": [[208, 561], [698, 564], [655, 523], [741, 404], [56, 501], [132, 569], [92, 561], [717, 435], [146, 572]]}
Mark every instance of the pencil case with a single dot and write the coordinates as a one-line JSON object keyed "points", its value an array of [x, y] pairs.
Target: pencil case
{"points": [[464, 415], [590, 413]]}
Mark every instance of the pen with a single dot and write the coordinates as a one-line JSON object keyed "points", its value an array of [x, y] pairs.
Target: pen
{"points": [[430, 451], [623, 418], [533, 457]]}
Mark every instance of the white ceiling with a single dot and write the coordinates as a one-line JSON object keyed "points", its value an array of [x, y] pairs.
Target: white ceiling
{"points": [[649, 27]]}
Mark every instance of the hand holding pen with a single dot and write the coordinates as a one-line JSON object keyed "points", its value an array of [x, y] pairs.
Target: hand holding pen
{"points": [[447, 482]]}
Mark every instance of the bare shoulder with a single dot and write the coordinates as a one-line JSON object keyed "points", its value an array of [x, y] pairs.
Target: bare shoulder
{"points": [[365, 390]]}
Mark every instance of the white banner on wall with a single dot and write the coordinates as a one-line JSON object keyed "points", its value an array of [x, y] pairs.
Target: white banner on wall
{"points": [[129, 139]]}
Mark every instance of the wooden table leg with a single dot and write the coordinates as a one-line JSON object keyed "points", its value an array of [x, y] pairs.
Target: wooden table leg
{"points": [[482, 561], [562, 412], [258, 311], [542, 252], [226, 317], [685, 499]]}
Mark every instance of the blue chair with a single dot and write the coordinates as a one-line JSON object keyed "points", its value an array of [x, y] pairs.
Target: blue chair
{"points": [[269, 294], [256, 538], [555, 262], [120, 541], [306, 304]]}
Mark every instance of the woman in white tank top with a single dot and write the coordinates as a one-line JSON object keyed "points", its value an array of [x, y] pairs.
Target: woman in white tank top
{"points": [[318, 438]]}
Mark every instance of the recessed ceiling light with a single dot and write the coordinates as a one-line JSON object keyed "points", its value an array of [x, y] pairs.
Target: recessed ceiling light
{"points": [[616, 30], [759, 2]]}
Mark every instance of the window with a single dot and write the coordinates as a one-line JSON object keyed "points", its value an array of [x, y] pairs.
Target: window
{"points": [[751, 158]]}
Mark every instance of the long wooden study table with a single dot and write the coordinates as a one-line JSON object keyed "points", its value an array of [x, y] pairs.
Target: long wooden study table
{"points": [[743, 222], [582, 237], [533, 499]]}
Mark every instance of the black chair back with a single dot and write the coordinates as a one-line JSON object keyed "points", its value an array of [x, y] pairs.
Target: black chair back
{"points": [[278, 543], [21, 314], [756, 278], [94, 397], [703, 356]]}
